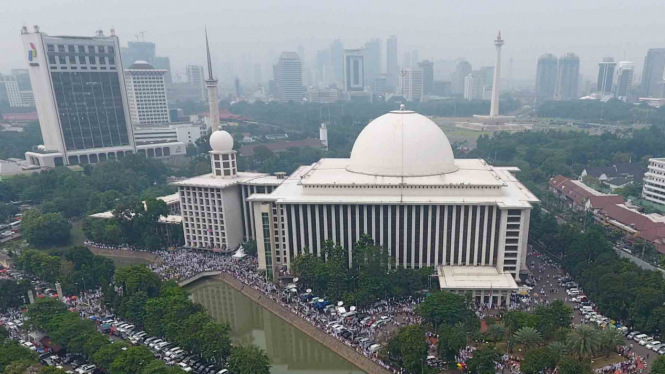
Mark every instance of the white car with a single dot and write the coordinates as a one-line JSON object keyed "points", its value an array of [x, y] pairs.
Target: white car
{"points": [[184, 367], [654, 346], [154, 343], [639, 337], [646, 340], [86, 369], [169, 352]]}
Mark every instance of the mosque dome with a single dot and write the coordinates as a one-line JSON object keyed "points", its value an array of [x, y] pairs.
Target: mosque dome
{"points": [[402, 143], [221, 141]]}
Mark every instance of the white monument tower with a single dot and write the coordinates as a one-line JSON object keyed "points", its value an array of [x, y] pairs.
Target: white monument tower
{"points": [[494, 108], [211, 83], [323, 135]]}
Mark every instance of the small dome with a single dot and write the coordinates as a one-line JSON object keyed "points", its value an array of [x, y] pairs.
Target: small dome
{"points": [[221, 141], [140, 64], [402, 143]]}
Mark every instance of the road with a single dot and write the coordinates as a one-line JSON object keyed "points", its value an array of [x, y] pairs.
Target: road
{"points": [[550, 282]]}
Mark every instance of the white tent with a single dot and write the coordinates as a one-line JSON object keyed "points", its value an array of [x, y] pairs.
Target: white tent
{"points": [[240, 253]]}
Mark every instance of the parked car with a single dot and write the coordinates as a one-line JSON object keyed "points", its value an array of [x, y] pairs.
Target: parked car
{"points": [[654, 346]]}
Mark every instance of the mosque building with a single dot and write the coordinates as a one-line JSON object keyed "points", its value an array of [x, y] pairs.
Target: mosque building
{"points": [[402, 186]]}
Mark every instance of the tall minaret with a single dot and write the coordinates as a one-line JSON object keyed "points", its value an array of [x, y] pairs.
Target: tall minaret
{"points": [[211, 83], [494, 108]]}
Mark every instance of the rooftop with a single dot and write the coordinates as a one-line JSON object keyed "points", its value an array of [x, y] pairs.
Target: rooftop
{"points": [[208, 180], [474, 278]]}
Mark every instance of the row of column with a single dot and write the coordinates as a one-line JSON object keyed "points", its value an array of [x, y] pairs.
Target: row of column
{"points": [[313, 228]]}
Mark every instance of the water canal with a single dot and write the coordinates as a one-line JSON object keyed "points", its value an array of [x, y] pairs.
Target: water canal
{"points": [[289, 349]]}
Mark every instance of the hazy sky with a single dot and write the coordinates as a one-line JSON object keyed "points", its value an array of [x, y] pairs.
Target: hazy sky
{"points": [[248, 30]]}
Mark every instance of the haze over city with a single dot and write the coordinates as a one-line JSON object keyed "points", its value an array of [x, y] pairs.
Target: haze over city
{"points": [[250, 32]]}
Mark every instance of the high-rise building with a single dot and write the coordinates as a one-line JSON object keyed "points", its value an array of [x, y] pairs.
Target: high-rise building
{"points": [[427, 67], [288, 77], [258, 75], [568, 77], [301, 54], [412, 84], [354, 68], [146, 94], [372, 60], [18, 88], [392, 67], [414, 58], [473, 86], [237, 90], [457, 79], [652, 74], [546, 77], [146, 51], [623, 81], [337, 61], [654, 182], [80, 97], [605, 76], [196, 78]]}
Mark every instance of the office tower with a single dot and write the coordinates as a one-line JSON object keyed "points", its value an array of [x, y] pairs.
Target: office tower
{"points": [[195, 78], [457, 79], [546, 77], [392, 67], [146, 94], [414, 57], [211, 85], [258, 75], [301, 54], [18, 89], [322, 59], [473, 86], [443, 69], [288, 77], [146, 51], [427, 67], [605, 76], [337, 60], [412, 84], [354, 77], [406, 60], [623, 82], [441, 88], [236, 87], [372, 60], [496, 85], [652, 74], [487, 72], [568, 77], [80, 97]]}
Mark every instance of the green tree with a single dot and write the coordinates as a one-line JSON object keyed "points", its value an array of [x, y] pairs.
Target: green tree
{"points": [[484, 360], [11, 351], [610, 339], [159, 367], [43, 311], [556, 315], [132, 361], [451, 340], [539, 360], [248, 360], [250, 248], [446, 308], [138, 278], [413, 347], [21, 366], [13, 294], [575, 366], [584, 342], [528, 337], [51, 370], [658, 366], [45, 229], [107, 354], [495, 333]]}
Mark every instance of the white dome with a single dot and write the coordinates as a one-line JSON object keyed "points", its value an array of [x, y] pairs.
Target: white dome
{"points": [[221, 141], [402, 143]]}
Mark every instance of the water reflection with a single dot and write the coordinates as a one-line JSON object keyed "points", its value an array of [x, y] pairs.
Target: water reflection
{"points": [[289, 349]]}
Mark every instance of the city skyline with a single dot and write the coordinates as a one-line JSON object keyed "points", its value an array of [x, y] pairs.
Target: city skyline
{"points": [[260, 33]]}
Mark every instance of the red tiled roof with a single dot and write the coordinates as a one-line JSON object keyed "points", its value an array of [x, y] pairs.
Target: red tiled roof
{"points": [[599, 202], [578, 194], [248, 150]]}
